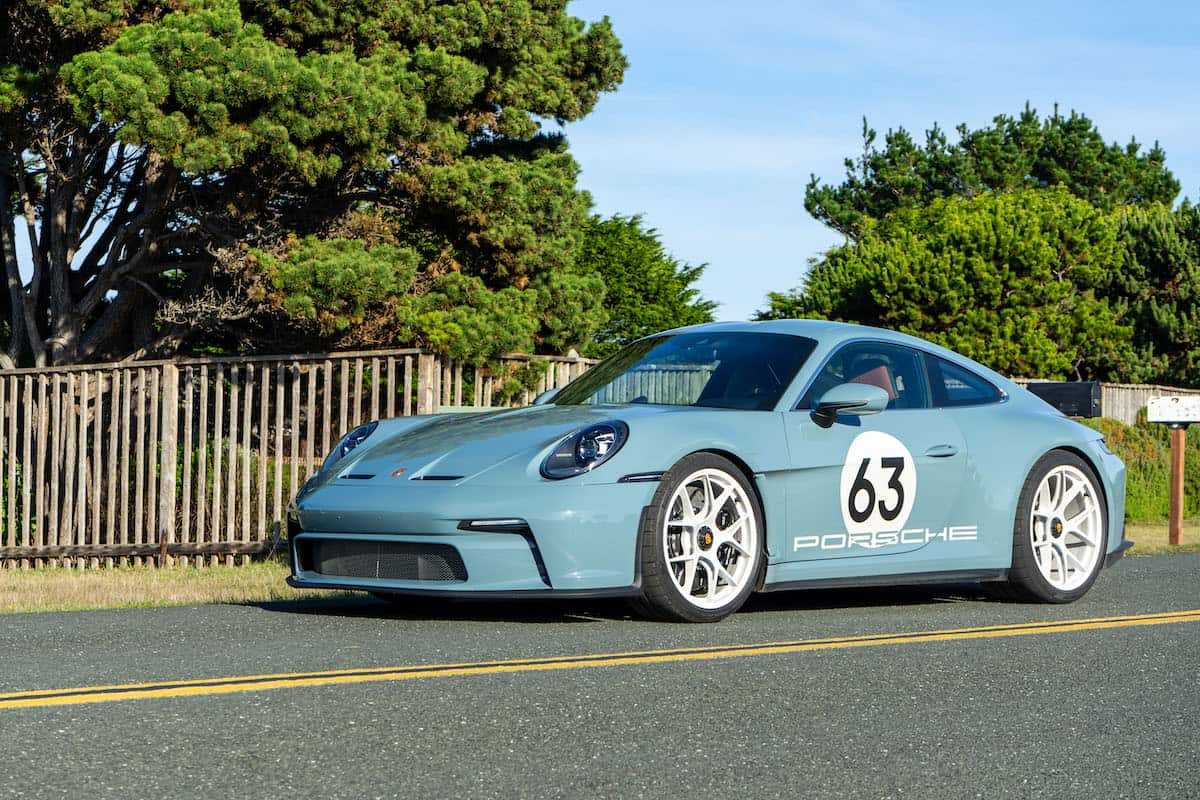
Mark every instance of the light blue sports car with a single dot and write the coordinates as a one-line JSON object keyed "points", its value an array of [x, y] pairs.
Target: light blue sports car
{"points": [[702, 464]]}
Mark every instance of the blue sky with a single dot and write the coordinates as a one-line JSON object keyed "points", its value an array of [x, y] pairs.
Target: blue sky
{"points": [[727, 107]]}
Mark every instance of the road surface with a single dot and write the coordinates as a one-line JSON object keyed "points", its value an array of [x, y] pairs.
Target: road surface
{"points": [[899, 693]]}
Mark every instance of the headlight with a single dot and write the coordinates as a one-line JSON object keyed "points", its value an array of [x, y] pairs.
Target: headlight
{"points": [[350, 441], [584, 451]]}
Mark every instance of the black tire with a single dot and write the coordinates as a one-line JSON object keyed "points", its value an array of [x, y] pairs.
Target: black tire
{"points": [[1026, 581], [662, 596]]}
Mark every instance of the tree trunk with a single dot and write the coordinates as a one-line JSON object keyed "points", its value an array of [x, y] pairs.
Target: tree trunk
{"points": [[25, 336]]}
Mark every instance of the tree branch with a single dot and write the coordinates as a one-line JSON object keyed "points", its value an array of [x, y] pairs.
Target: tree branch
{"points": [[110, 322], [168, 341], [105, 249], [95, 175], [159, 189], [29, 210]]}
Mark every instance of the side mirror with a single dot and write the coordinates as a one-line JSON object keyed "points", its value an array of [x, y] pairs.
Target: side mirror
{"points": [[851, 399], [546, 396]]}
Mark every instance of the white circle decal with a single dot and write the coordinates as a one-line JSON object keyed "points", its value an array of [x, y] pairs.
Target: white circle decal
{"points": [[879, 484]]}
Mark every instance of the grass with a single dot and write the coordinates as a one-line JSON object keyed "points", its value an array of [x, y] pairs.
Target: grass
{"points": [[1146, 452], [1151, 537], [62, 589]]}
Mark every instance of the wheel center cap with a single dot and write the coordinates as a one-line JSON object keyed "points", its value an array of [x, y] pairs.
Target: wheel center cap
{"points": [[1056, 527], [704, 537]]}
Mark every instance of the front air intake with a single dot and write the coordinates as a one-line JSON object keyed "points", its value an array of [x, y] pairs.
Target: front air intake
{"points": [[398, 561]]}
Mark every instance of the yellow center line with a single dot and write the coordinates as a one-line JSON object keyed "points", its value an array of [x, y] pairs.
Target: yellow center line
{"points": [[254, 683]]}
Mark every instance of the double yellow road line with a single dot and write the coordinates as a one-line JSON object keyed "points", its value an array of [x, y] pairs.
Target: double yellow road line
{"points": [[254, 683]]}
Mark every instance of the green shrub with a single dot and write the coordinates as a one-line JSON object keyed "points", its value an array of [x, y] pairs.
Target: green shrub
{"points": [[1145, 449]]}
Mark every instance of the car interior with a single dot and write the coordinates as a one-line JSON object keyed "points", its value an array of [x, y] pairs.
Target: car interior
{"points": [[899, 371]]}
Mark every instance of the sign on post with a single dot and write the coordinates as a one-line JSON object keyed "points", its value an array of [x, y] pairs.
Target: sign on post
{"points": [[1174, 409], [1176, 412]]}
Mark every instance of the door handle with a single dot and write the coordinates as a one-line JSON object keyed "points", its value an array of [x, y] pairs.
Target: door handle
{"points": [[942, 451]]}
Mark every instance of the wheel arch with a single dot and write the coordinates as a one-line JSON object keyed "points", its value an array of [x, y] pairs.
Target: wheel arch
{"points": [[1091, 464]]}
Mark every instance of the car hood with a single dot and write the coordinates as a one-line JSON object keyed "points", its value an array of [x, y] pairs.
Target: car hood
{"points": [[464, 446]]}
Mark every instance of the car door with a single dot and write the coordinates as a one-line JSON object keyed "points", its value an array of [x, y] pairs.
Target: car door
{"points": [[874, 486], [974, 404]]}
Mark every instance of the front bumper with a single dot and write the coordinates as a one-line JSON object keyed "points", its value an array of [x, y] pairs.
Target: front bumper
{"points": [[576, 540], [474, 594]]}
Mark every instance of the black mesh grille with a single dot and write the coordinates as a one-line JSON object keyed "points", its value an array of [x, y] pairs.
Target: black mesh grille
{"points": [[401, 561]]}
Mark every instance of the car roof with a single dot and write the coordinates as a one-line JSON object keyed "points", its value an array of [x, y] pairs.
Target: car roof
{"points": [[830, 334], [819, 329]]}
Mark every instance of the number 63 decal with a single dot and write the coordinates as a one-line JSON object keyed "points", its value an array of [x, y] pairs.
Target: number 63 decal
{"points": [[862, 486], [879, 484]]}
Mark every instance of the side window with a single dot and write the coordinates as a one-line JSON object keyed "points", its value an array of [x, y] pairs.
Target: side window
{"points": [[897, 370], [956, 386]]}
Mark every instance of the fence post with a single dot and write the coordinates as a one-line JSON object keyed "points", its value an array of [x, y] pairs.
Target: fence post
{"points": [[426, 400], [169, 453]]}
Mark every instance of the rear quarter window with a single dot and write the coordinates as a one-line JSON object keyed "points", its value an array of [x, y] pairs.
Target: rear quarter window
{"points": [[954, 386]]}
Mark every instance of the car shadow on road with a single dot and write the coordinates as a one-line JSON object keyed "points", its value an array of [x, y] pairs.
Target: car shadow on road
{"points": [[551, 611], [545, 611], [865, 597]]}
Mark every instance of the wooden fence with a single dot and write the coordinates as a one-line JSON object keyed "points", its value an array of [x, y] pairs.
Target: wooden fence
{"points": [[1122, 402], [198, 459], [663, 385]]}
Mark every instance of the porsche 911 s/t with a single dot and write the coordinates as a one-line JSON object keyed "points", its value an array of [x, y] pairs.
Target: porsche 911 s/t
{"points": [[699, 465]]}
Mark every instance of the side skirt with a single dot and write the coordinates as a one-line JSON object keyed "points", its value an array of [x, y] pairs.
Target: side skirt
{"points": [[903, 579]]}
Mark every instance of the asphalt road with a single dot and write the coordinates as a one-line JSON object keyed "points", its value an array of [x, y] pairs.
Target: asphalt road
{"points": [[1062, 712]]}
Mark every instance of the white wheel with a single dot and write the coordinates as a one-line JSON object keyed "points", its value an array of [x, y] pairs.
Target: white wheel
{"points": [[701, 552], [1066, 528], [710, 539], [1060, 535]]}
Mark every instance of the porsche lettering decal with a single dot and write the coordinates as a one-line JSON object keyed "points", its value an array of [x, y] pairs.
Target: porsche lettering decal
{"points": [[875, 540]]}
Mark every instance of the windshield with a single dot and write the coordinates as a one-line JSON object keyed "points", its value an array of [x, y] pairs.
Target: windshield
{"points": [[719, 370]]}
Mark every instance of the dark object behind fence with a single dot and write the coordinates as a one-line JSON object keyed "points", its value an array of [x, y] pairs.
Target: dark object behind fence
{"points": [[1073, 398]]}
